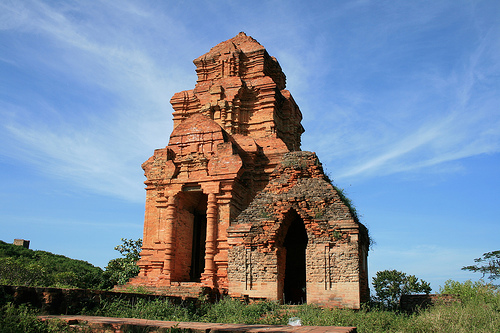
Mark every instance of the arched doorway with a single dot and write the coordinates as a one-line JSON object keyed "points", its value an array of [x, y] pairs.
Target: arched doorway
{"points": [[295, 243]]}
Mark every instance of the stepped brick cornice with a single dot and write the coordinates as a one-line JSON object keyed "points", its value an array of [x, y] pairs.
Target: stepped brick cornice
{"points": [[242, 88], [231, 194]]}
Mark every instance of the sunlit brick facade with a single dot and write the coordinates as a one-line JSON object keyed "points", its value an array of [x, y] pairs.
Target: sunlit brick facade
{"points": [[233, 205]]}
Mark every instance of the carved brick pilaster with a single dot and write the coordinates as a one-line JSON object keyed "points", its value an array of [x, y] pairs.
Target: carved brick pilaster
{"points": [[211, 246]]}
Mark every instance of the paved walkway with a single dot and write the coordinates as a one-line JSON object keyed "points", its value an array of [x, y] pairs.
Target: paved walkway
{"points": [[108, 324]]}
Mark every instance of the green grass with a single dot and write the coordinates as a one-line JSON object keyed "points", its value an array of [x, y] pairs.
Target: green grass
{"points": [[22, 319], [478, 311], [141, 308]]}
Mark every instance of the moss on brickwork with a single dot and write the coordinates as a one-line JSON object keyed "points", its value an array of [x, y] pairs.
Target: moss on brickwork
{"points": [[337, 243]]}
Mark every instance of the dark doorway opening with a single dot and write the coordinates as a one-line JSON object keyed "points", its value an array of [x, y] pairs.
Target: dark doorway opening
{"points": [[295, 270], [191, 233], [198, 251]]}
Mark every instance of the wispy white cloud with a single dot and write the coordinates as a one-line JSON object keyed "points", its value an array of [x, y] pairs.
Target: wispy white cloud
{"points": [[384, 87], [126, 55], [371, 106], [101, 145], [430, 118]]}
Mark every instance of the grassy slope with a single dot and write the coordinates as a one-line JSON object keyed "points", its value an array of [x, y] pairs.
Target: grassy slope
{"points": [[21, 266]]}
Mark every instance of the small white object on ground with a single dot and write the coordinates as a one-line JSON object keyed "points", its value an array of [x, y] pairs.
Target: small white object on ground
{"points": [[294, 321]]}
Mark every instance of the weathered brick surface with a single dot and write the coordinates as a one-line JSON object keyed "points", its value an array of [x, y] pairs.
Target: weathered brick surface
{"points": [[336, 247], [223, 192]]}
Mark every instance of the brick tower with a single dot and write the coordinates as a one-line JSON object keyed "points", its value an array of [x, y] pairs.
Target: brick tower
{"points": [[231, 134]]}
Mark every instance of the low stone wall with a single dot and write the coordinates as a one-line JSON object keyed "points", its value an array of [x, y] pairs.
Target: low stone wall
{"points": [[71, 301], [410, 303]]}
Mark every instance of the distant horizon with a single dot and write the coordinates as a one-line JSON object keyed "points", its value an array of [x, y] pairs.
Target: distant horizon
{"points": [[400, 102]]}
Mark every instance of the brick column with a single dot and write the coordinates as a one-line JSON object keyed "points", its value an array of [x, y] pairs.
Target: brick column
{"points": [[210, 243], [168, 237]]}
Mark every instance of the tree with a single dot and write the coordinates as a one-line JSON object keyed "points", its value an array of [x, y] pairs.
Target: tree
{"points": [[120, 270], [390, 285], [488, 264]]}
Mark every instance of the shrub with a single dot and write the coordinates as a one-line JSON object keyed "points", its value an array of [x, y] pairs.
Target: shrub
{"points": [[120, 270], [23, 272], [23, 319], [25, 267], [478, 311], [19, 319], [469, 292], [390, 285]]}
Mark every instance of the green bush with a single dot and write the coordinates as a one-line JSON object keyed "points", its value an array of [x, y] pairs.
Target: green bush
{"points": [[19, 319], [120, 270], [390, 285], [477, 311], [25, 267], [23, 272], [23, 319], [473, 292]]}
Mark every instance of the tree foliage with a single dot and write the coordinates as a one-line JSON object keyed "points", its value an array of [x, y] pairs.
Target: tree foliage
{"points": [[25, 267], [390, 285], [479, 292], [120, 270], [489, 264], [130, 249]]}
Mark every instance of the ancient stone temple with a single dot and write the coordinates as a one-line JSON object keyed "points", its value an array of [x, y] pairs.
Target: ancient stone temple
{"points": [[233, 205]]}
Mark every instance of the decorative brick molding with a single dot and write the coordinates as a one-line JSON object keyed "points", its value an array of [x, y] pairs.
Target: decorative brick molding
{"points": [[335, 249], [231, 194]]}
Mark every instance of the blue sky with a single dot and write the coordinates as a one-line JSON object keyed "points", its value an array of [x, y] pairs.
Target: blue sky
{"points": [[400, 101]]}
